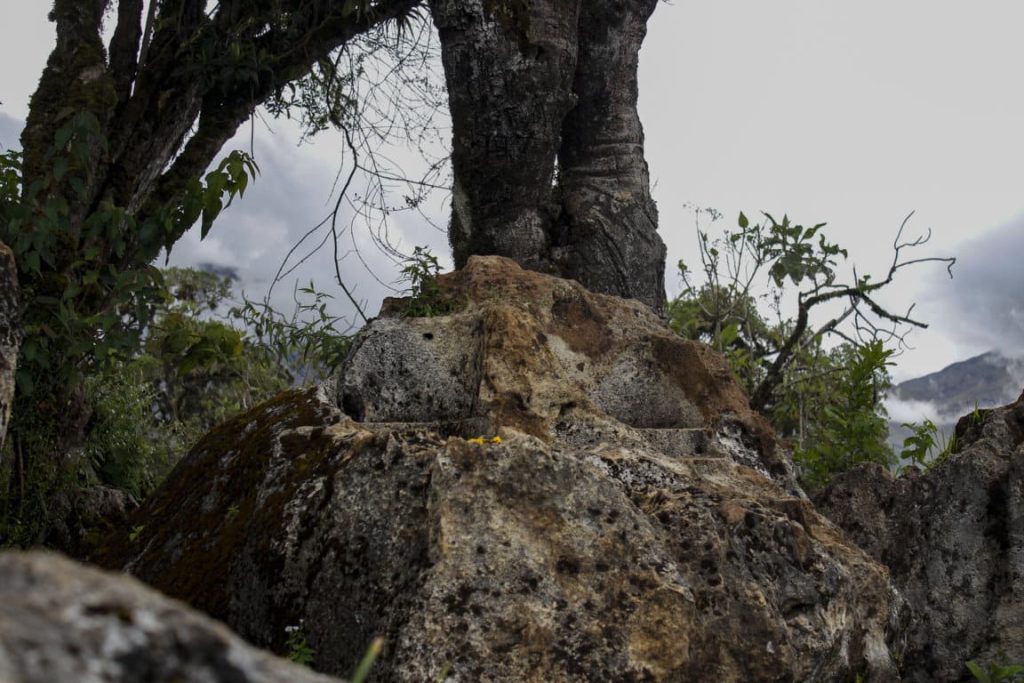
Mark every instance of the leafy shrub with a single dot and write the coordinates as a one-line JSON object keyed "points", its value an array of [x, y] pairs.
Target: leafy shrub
{"points": [[846, 421], [425, 296], [826, 401], [308, 345], [122, 445]]}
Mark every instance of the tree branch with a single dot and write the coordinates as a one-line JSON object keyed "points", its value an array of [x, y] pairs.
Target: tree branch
{"points": [[858, 295], [124, 47]]}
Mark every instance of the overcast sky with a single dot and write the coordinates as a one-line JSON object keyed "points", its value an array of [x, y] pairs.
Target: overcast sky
{"points": [[849, 113]]}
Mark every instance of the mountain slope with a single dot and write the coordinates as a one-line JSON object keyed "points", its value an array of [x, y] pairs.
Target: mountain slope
{"points": [[989, 380]]}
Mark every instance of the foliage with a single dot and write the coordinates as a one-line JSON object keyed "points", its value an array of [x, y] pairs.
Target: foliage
{"points": [[85, 295], [928, 445], [996, 672], [189, 373], [308, 344], [124, 446], [202, 370], [426, 299], [827, 401], [920, 443], [783, 255], [362, 671], [299, 650], [847, 425], [119, 161]]}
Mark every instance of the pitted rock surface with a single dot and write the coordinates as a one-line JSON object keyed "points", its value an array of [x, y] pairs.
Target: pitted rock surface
{"points": [[605, 535], [524, 350], [61, 621], [953, 538]]}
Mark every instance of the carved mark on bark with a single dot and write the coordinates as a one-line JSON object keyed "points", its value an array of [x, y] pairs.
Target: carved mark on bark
{"points": [[10, 334]]}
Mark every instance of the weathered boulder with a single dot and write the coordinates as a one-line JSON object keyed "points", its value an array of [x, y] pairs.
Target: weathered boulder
{"points": [[599, 537], [953, 539], [62, 621]]}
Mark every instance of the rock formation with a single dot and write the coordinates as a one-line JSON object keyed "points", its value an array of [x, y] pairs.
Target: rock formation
{"points": [[63, 622], [953, 538], [543, 485]]}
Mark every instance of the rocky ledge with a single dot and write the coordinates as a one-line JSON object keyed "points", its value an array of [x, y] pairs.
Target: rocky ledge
{"points": [[953, 538], [542, 485]]}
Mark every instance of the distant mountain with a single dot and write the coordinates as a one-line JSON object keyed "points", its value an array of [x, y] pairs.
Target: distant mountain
{"points": [[985, 381]]}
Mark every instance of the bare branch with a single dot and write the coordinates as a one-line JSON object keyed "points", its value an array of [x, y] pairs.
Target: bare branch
{"points": [[859, 297]]}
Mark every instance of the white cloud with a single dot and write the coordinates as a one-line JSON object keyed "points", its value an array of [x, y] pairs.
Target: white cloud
{"points": [[10, 131], [914, 411]]}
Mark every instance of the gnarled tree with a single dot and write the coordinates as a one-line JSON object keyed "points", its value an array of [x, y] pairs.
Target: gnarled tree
{"points": [[118, 137]]}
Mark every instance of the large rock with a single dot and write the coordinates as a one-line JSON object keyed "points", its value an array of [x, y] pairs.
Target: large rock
{"points": [[61, 621], [953, 538], [604, 538]]}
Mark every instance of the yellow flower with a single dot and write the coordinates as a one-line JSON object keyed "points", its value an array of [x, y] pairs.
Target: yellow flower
{"points": [[496, 439], [479, 440]]}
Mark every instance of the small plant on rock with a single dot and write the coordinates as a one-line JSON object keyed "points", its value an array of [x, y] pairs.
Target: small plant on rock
{"points": [[920, 443], [926, 439], [299, 650], [426, 299]]}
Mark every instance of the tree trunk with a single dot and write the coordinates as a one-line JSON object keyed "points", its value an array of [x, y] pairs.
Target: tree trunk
{"points": [[509, 69], [609, 221], [532, 83]]}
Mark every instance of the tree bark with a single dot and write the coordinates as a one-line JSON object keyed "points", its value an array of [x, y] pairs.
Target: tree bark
{"points": [[532, 83], [609, 221], [509, 70]]}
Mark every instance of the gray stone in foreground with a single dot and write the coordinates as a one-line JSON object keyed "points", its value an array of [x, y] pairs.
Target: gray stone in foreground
{"points": [[61, 621]]}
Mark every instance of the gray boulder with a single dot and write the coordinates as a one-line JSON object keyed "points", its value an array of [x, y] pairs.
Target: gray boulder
{"points": [[61, 621]]}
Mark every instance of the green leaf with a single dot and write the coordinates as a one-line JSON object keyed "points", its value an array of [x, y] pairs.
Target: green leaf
{"points": [[729, 334], [977, 671], [363, 670], [743, 222], [210, 212]]}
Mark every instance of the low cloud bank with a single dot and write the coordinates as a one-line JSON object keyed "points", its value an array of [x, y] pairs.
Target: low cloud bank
{"points": [[901, 411]]}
